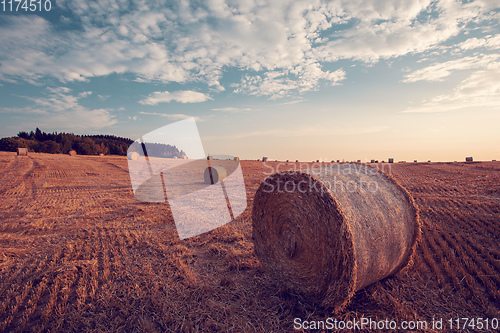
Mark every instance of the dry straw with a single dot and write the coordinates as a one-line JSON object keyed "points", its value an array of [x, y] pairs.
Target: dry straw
{"points": [[22, 151], [330, 232]]}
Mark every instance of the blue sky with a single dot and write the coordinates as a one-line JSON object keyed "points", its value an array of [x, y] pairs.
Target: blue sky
{"points": [[305, 80]]}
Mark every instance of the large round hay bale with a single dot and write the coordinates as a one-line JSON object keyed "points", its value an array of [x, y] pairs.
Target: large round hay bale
{"points": [[72, 153], [134, 156], [332, 231], [215, 174]]}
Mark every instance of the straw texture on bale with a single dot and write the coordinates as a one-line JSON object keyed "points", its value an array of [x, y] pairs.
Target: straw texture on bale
{"points": [[215, 174], [22, 151], [332, 231]]}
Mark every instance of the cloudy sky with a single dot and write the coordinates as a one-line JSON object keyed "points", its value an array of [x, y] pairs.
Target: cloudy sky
{"points": [[353, 79]]}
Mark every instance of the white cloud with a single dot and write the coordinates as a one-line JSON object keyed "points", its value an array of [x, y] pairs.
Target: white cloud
{"points": [[232, 109], [172, 116], [61, 110], [84, 94], [480, 90], [183, 43], [439, 71], [183, 96], [489, 42]]}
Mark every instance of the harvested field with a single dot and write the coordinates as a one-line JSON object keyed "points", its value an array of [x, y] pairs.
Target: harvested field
{"points": [[79, 253]]}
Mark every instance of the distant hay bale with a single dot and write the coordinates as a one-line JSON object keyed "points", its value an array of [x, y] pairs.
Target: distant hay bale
{"points": [[134, 156], [72, 153], [22, 151], [329, 233], [469, 159], [391, 160], [215, 174], [101, 154], [264, 159]]}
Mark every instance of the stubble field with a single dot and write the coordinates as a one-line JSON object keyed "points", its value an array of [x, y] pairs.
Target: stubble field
{"points": [[79, 253]]}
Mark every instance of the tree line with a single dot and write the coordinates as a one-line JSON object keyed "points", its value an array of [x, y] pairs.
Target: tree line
{"points": [[57, 143], [62, 143]]}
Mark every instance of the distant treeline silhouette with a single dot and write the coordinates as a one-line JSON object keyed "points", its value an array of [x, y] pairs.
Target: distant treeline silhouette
{"points": [[56, 143]]}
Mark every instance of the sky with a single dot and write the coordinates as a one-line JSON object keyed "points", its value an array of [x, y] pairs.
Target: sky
{"points": [[306, 80]]}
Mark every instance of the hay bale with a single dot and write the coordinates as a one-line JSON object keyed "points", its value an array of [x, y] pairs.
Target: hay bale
{"points": [[391, 160], [134, 156], [72, 153], [214, 174], [469, 159], [324, 239], [22, 151], [264, 159]]}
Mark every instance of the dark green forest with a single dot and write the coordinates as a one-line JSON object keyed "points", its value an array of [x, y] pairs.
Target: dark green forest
{"points": [[62, 143], [57, 143]]}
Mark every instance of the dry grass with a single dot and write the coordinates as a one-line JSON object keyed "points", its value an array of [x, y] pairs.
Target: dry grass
{"points": [[79, 253]]}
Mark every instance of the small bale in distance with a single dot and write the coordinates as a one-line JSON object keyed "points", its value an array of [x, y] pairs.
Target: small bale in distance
{"points": [[133, 156], [72, 153], [215, 174], [469, 159], [22, 151], [264, 159], [325, 240]]}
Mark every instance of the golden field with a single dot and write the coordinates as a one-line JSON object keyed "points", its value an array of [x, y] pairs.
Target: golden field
{"points": [[79, 253]]}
